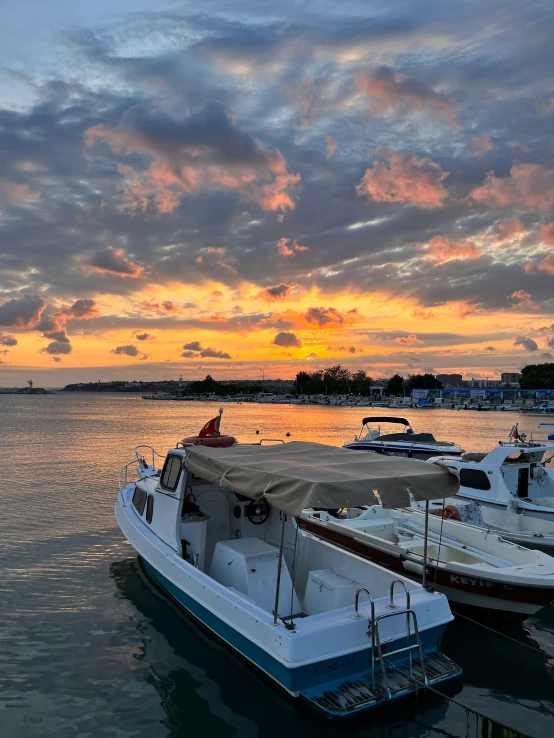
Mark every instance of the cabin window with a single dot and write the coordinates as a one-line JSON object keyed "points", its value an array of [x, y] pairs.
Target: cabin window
{"points": [[139, 500], [150, 508], [474, 479], [170, 473]]}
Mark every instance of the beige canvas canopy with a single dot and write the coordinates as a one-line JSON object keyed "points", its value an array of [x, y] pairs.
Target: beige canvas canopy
{"points": [[298, 475]]}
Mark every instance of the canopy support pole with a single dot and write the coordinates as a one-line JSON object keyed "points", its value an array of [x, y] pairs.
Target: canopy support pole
{"points": [[278, 587], [424, 582]]}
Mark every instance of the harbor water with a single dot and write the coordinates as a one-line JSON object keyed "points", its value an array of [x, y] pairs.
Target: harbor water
{"points": [[91, 649]]}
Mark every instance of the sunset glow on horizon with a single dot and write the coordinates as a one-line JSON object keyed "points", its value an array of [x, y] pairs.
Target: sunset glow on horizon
{"points": [[261, 189]]}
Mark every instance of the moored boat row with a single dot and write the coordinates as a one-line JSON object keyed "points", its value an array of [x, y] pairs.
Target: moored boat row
{"points": [[331, 569]]}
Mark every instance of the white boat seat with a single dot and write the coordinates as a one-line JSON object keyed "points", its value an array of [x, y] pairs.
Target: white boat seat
{"points": [[326, 590], [249, 566]]}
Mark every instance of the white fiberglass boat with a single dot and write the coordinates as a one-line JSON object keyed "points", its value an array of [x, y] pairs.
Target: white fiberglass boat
{"points": [[216, 530], [407, 443], [512, 476], [472, 566], [509, 523]]}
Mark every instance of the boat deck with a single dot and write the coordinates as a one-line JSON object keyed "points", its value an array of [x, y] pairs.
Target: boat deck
{"points": [[344, 697]]}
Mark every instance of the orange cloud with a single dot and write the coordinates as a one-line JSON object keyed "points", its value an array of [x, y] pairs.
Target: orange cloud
{"points": [[112, 261], [481, 144], [410, 340], [441, 249], [391, 90], [524, 300], [546, 234], [463, 310], [404, 178], [284, 250], [547, 264], [204, 152], [507, 229], [21, 192], [166, 307], [531, 185]]}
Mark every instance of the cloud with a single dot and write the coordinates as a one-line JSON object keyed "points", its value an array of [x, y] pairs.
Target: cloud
{"points": [[529, 185], [546, 234], [7, 340], [524, 300], [112, 261], [23, 312], [144, 337], [527, 343], [550, 342], [56, 359], [330, 146], [211, 353], [441, 249], [284, 250], [275, 293], [520, 146], [194, 350], [393, 91], [128, 350], [287, 340], [410, 340], [166, 307], [547, 264], [404, 178], [205, 151], [490, 349], [16, 192], [481, 144], [547, 108], [325, 317], [508, 229], [546, 355], [61, 345]]}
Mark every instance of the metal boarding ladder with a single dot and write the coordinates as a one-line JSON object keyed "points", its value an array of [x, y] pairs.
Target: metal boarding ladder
{"points": [[376, 645]]}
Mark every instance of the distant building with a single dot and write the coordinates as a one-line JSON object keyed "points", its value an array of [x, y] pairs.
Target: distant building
{"points": [[510, 377], [484, 383], [450, 380]]}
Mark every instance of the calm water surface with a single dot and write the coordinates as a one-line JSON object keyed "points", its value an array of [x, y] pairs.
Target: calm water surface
{"points": [[89, 649]]}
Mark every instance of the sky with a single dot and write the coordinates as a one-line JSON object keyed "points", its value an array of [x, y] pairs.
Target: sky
{"points": [[242, 187]]}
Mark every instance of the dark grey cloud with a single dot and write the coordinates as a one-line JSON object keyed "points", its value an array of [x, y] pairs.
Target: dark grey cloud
{"points": [[22, 312], [527, 343], [195, 350], [58, 347], [128, 350], [7, 340], [287, 340]]}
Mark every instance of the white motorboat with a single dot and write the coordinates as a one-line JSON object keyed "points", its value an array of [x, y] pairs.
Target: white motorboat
{"points": [[216, 530], [407, 443], [472, 566], [511, 525], [514, 475]]}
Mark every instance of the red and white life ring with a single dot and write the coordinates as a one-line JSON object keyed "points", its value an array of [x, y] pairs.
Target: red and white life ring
{"points": [[222, 441]]}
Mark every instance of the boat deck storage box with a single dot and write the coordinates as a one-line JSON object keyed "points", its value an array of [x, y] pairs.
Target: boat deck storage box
{"points": [[249, 566], [326, 590]]}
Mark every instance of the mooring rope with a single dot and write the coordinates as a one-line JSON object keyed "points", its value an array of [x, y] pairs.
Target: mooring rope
{"points": [[497, 632]]}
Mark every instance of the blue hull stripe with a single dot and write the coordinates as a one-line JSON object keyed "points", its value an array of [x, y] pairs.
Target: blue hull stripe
{"points": [[292, 679]]}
